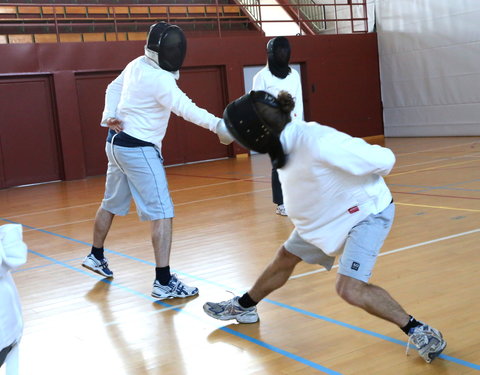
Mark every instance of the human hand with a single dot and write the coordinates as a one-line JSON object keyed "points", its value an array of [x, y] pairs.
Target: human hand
{"points": [[114, 124]]}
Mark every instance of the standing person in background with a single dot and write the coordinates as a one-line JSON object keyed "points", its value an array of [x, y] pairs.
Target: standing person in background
{"points": [[138, 105], [278, 76], [340, 206]]}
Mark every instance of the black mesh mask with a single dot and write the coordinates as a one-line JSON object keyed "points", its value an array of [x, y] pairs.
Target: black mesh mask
{"points": [[248, 128], [166, 46], [278, 53]]}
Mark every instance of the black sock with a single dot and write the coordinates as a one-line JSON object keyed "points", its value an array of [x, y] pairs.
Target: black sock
{"points": [[412, 323], [246, 301], [162, 274], [97, 252]]}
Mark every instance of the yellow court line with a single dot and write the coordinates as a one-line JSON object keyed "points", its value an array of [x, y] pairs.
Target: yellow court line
{"points": [[427, 169], [440, 207], [437, 148]]}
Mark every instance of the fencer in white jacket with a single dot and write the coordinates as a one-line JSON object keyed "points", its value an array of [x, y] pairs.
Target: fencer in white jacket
{"points": [[337, 199], [138, 105], [13, 254], [278, 76]]}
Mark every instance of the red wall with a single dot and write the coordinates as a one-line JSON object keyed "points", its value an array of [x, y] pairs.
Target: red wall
{"points": [[53, 94]]}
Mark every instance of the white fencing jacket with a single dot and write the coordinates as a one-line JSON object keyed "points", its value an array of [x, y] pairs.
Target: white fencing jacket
{"points": [[331, 182], [13, 253], [144, 95], [264, 80]]}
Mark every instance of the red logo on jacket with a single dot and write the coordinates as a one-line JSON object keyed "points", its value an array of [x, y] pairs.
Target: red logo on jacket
{"points": [[353, 209]]}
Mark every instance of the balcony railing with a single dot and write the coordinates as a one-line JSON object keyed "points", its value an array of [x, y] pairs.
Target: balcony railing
{"points": [[121, 22]]}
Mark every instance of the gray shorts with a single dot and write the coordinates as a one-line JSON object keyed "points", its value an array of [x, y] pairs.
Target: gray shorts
{"points": [[138, 173], [363, 244], [360, 251]]}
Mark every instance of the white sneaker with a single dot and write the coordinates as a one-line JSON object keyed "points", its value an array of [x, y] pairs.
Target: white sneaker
{"points": [[281, 210], [99, 266], [428, 341], [231, 309], [174, 289]]}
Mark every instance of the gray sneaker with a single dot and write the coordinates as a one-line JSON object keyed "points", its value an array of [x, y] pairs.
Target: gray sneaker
{"points": [[174, 289], [99, 266], [428, 341], [231, 309]]}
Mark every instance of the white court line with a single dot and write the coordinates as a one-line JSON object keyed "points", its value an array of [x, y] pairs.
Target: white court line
{"points": [[134, 212], [98, 202], [396, 250], [221, 197], [219, 183]]}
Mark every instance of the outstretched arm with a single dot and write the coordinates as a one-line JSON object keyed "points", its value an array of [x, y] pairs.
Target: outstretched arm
{"points": [[183, 106]]}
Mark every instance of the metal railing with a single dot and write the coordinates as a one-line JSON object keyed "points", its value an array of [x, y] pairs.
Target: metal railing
{"points": [[307, 16]]}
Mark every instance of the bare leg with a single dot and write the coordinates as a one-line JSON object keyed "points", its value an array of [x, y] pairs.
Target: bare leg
{"points": [[275, 275], [162, 241], [372, 299], [103, 222]]}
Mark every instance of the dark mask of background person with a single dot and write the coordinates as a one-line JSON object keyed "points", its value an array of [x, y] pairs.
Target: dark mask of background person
{"points": [[278, 53], [167, 46]]}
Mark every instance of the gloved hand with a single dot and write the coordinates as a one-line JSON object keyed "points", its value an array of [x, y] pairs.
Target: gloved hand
{"points": [[223, 133]]}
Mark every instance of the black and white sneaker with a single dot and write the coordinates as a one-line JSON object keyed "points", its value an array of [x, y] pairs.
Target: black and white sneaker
{"points": [[174, 289], [95, 265]]}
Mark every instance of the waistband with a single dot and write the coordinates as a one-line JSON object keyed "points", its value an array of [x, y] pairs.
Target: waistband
{"points": [[4, 352], [125, 140]]}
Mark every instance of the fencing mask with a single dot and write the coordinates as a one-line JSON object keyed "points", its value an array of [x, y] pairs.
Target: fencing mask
{"points": [[166, 46], [278, 53], [248, 128]]}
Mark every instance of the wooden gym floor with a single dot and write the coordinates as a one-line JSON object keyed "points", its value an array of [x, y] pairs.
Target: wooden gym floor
{"points": [[225, 232]]}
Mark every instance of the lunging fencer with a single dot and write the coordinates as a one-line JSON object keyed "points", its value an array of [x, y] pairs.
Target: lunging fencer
{"points": [[339, 204], [138, 104]]}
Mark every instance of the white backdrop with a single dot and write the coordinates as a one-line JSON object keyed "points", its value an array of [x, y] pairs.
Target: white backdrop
{"points": [[430, 66]]}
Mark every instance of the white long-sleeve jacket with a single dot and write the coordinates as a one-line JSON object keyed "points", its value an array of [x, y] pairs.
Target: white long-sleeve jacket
{"points": [[331, 182], [13, 253], [144, 95], [264, 80]]}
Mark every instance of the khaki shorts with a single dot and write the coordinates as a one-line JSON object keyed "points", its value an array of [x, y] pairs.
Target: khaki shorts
{"points": [[309, 253]]}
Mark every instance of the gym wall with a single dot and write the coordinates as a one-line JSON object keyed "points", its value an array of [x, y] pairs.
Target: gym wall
{"points": [[52, 97]]}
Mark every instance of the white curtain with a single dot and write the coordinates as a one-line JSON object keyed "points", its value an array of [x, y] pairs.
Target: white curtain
{"points": [[430, 66]]}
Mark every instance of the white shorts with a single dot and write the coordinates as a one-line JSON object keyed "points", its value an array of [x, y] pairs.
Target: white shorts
{"points": [[137, 172]]}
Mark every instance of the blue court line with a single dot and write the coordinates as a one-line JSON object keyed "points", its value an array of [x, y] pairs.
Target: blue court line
{"points": [[179, 309], [23, 269], [368, 332], [100, 278], [304, 312], [32, 268], [281, 351]]}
